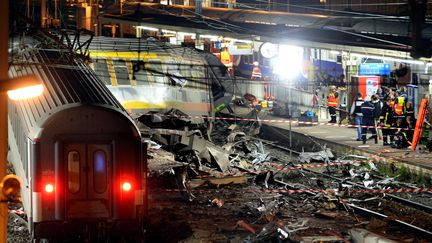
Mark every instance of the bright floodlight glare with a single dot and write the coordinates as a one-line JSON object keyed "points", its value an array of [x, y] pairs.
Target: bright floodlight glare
{"points": [[26, 92], [289, 62]]}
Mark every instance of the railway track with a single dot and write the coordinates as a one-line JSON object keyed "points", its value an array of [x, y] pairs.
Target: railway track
{"points": [[368, 213]]}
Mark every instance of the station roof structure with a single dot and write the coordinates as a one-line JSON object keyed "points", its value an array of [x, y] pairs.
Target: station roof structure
{"points": [[390, 36]]}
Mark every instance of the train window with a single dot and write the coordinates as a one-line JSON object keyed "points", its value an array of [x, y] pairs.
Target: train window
{"points": [[99, 171], [249, 59], [73, 171]]}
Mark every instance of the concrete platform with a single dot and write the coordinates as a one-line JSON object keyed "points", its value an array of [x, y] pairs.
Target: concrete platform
{"points": [[342, 140]]}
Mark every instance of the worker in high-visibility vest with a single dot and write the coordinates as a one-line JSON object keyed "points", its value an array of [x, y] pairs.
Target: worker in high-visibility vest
{"points": [[332, 104], [399, 107], [256, 72]]}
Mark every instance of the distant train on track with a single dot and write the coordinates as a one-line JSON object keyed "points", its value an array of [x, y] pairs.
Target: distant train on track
{"points": [[146, 75], [78, 153]]}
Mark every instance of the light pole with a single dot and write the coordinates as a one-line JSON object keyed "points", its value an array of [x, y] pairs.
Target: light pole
{"points": [[16, 89], [4, 38], [6, 86]]}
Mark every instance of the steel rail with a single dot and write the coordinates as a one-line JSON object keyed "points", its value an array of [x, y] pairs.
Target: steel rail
{"points": [[404, 201], [368, 212]]}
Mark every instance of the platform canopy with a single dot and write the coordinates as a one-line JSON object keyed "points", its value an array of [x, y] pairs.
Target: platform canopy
{"points": [[390, 36]]}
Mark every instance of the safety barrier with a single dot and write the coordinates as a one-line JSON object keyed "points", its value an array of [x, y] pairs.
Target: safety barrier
{"points": [[349, 191], [281, 121]]}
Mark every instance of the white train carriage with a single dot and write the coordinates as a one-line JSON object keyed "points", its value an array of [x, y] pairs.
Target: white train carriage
{"points": [[77, 151], [146, 75]]}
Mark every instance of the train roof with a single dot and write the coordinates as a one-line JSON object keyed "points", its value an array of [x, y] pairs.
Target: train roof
{"points": [[68, 83], [137, 45]]}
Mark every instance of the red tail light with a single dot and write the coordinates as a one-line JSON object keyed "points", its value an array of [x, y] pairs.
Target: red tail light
{"points": [[49, 188], [126, 186]]}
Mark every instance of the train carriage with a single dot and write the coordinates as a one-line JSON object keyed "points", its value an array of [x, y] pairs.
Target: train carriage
{"points": [[147, 75], [77, 151]]}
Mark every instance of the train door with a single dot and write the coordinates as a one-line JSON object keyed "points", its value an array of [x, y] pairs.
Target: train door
{"points": [[88, 180]]}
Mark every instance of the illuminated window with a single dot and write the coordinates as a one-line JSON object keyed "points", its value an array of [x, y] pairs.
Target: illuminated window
{"points": [[99, 171], [73, 171]]}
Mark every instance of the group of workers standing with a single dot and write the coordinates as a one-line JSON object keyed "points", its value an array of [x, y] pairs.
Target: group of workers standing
{"points": [[390, 109]]}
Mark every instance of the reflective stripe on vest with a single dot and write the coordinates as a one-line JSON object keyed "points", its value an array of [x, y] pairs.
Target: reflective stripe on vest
{"points": [[256, 72], [332, 101]]}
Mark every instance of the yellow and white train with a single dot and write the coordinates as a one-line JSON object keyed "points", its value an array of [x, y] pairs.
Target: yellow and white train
{"points": [[147, 75]]}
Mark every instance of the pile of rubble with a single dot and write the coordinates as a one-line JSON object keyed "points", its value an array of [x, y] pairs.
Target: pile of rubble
{"points": [[200, 160], [232, 155]]}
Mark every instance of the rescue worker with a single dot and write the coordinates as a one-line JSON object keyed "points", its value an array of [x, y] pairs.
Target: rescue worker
{"points": [[377, 112], [387, 120], [256, 72], [409, 111], [399, 106], [332, 104], [367, 109], [357, 114], [404, 136]]}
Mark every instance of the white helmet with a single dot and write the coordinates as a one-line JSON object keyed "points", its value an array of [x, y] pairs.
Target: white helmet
{"points": [[255, 63]]}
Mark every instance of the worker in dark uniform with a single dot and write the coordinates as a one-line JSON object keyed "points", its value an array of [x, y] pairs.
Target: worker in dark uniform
{"points": [[357, 114], [409, 111], [332, 103], [368, 111], [378, 106], [387, 120], [404, 134]]}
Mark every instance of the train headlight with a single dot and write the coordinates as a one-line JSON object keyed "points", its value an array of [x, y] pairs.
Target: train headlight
{"points": [[126, 186], [49, 188]]}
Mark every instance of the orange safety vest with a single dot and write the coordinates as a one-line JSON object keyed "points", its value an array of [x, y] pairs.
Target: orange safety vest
{"points": [[332, 101], [256, 73], [399, 106]]}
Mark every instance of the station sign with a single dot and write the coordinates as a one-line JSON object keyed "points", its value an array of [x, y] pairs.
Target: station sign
{"points": [[374, 69], [240, 49]]}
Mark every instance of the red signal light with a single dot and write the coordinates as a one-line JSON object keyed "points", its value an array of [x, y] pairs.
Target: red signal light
{"points": [[49, 188], [126, 186]]}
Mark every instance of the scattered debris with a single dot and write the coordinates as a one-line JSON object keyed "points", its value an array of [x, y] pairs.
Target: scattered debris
{"points": [[217, 202], [246, 226], [362, 235], [217, 182], [322, 238], [324, 155], [237, 160]]}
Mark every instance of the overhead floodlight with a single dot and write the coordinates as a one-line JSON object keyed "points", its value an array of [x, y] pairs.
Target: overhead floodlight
{"points": [[148, 28], [211, 37], [411, 61], [289, 62], [168, 31]]}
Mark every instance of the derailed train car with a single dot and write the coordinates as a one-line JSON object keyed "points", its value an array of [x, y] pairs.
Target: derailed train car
{"points": [[78, 153], [147, 75]]}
